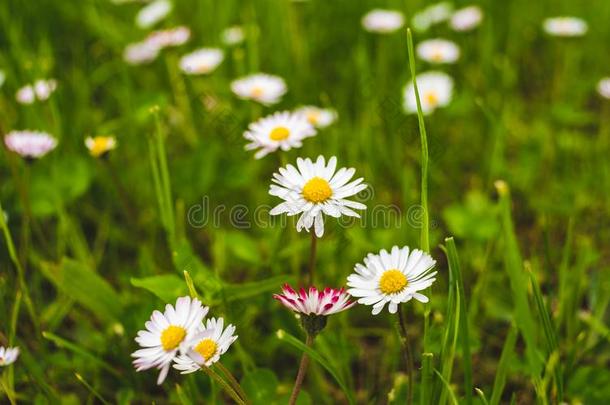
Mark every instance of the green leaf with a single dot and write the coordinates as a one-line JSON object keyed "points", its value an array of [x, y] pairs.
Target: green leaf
{"points": [[503, 366], [86, 287], [236, 292], [165, 286], [261, 386], [243, 247]]}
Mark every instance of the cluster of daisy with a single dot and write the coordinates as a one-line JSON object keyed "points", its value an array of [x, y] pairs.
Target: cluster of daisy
{"points": [[40, 90], [147, 50], [179, 336]]}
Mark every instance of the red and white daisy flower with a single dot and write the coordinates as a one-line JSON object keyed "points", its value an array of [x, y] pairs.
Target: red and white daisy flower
{"points": [[315, 302]]}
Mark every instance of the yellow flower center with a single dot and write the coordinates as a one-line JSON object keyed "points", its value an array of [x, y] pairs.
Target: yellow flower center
{"points": [[317, 190], [100, 145], [392, 281], [431, 98], [437, 55], [313, 117], [256, 92], [279, 134], [206, 348], [172, 336]]}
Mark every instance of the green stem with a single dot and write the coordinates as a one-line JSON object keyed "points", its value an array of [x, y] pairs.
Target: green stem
{"points": [[404, 339], [223, 384], [233, 381], [298, 383], [312, 258]]}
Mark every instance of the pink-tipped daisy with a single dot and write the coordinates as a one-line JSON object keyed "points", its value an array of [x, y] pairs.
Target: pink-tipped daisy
{"points": [[30, 144], [315, 302]]}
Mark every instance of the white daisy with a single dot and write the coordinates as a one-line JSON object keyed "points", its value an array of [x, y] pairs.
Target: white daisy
{"points": [[201, 61], [392, 278], [140, 52], [171, 37], [603, 87], [282, 130], [431, 15], [40, 90], [313, 189], [206, 347], [152, 13], [383, 21], [8, 355], [313, 302], [100, 145], [466, 19], [261, 87], [438, 51], [318, 117], [233, 35], [30, 144], [167, 334], [565, 26], [435, 90]]}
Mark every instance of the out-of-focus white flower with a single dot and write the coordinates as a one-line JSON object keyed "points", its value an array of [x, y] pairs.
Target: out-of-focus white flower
{"points": [[432, 15], [313, 189], [565, 26], [261, 87], [152, 13], [392, 278], [383, 21], [201, 61], [100, 145], [603, 87], [466, 19], [282, 130], [233, 35], [40, 90], [8, 355], [318, 117], [435, 90], [171, 37], [438, 51], [30, 144], [139, 53]]}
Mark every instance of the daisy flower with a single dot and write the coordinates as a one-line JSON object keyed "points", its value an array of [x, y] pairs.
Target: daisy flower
{"points": [[431, 15], [438, 51], [8, 355], [282, 130], [100, 145], [30, 144], [167, 334], [170, 37], [233, 35], [603, 87], [140, 52], [201, 61], [565, 26], [206, 347], [392, 278], [318, 117], [261, 87], [152, 13], [313, 302], [40, 90], [313, 189], [435, 90], [383, 21], [466, 19]]}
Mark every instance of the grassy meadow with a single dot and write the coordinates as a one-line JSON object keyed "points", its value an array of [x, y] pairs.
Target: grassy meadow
{"points": [[508, 190]]}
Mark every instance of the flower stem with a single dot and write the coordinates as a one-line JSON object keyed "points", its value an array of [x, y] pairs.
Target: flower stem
{"points": [[233, 381], [223, 384], [404, 339], [312, 258], [301, 374]]}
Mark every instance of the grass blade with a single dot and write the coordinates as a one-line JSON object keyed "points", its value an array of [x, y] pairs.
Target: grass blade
{"points": [[503, 365]]}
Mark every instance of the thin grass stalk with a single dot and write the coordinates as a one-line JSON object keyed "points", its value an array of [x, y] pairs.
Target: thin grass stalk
{"points": [[408, 353], [225, 386], [312, 258], [506, 358], [233, 381], [426, 377]]}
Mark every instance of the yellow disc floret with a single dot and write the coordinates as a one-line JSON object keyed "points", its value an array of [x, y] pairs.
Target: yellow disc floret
{"points": [[206, 348], [279, 134], [431, 98], [100, 144], [317, 190], [313, 117], [392, 281], [172, 336], [256, 92]]}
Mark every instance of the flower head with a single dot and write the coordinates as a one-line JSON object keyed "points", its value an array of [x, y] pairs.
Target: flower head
{"points": [[435, 90], [565, 26], [140, 52], [383, 21], [282, 130], [313, 189], [261, 87], [233, 35], [30, 144], [167, 334], [315, 302], [466, 19], [318, 117], [152, 13], [431, 15], [40, 90], [206, 347], [201, 61], [603, 87], [170, 37], [438, 51], [8, 355], [392, 278], [100, 145]]}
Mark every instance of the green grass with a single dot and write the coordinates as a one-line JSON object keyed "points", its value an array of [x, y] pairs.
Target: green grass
{"points": [[519, 311]]}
